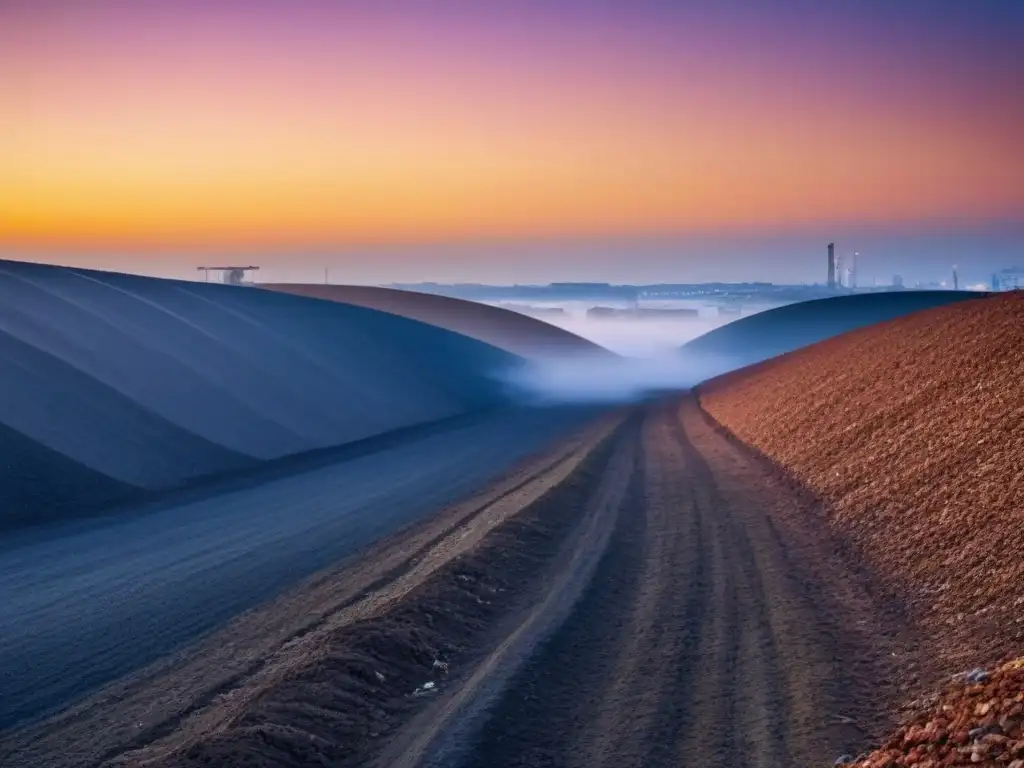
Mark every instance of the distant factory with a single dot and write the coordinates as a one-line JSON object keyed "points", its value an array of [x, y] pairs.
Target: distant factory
{"points": [[838, 277]]}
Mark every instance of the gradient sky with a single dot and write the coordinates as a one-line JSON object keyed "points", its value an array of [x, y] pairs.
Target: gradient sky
{"points": [[327, 130]]}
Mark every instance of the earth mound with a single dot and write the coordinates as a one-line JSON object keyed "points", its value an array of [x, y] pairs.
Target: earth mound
{"points": [[978, 719], [913, 432], [774, 332], [116, 383], [514, 332]]}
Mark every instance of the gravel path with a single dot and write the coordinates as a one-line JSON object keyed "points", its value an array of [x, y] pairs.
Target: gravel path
{"points": [[698, 642]]}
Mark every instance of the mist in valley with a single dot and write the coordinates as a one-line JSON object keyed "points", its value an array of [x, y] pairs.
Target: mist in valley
{"points": [[647, 357]]}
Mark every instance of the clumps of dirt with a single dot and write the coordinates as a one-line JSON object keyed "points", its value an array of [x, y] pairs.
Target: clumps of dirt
{"points": [[978, 719], [339, 706], [912, 432]]}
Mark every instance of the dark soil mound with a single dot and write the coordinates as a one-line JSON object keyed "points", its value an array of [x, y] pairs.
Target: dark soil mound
{"points": [[774, 332], [152, 383]]}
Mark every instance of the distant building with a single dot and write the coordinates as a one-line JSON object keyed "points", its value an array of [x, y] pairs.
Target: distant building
{"points": [[897, 281], [1008, 279], [831, 265]]}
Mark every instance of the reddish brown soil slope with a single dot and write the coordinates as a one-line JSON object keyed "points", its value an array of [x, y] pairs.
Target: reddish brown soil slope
{"points": [[976, 720], [913, 431], [511, 331]]}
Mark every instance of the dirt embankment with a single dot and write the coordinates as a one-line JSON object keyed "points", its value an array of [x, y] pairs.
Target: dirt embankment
{"points": [[913, 431]]}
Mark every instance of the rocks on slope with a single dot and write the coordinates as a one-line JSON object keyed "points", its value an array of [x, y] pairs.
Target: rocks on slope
{"points": [[774, 332], [115, 382], [520, 334], [913, 430], [978, 719]]}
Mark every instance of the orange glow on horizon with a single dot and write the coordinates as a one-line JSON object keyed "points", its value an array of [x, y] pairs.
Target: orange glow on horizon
{"points": [[142, 146]]}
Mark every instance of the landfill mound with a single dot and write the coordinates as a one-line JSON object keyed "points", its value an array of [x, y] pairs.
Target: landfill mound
{"points": [[978, 719], [912, 431], [774, 332], [512, 331], [116, 383]]}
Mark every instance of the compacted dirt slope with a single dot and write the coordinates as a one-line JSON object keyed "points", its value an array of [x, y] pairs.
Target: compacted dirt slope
{"points": [[520, 334], [913, 432]]}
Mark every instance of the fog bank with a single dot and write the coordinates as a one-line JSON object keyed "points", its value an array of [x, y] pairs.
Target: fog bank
{"points": [[603, 380]]}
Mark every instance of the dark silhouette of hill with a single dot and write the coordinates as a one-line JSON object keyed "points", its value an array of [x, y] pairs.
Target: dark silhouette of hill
{"points": [[776, 331], [517, 333], [113, 382]]}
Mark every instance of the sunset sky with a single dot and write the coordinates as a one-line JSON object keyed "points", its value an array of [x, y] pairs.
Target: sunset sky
{"points": [[512, 140]]}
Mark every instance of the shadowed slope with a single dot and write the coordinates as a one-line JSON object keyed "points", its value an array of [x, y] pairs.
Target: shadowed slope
{"points": [[38, 484], [913, 430], [151, 382], [774, 332], [520, 334]]}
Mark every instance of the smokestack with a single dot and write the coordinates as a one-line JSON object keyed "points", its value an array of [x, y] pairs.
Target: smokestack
{"points": [[831, 265]]}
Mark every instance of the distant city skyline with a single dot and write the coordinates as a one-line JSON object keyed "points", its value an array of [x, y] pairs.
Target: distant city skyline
{"points": [[783, 258]]}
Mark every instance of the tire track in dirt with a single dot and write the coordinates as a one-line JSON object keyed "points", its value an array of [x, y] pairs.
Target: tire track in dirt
{"points": [[439, 735], [699, 641]]}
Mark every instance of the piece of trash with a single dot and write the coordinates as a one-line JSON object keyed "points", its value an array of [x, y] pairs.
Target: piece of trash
{"points": [[442, 665], [972, 677], [379, 677], [426, 689]]}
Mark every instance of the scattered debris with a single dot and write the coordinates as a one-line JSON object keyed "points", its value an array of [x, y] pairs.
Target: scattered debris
{"points": [[978, 722], [426, 689]]}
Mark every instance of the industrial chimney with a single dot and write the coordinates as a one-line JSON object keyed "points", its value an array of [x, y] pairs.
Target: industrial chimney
{"points": [[831, 266]]}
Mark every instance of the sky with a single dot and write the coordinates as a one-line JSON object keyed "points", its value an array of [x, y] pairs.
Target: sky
{"points": [[523, 141]]}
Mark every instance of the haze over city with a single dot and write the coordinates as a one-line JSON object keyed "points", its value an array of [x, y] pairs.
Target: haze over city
{"points": [[526, 142]]}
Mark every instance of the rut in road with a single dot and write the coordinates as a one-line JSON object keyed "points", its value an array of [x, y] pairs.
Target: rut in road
{"points": [[700, 641]]}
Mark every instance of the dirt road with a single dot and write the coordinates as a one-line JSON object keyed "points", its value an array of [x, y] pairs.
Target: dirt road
{"points": [[701, 639], [651, 595]]}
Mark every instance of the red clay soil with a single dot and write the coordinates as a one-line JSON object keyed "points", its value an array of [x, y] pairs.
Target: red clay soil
{"points": [[912, 432], [516, 333], [978, 719]]}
